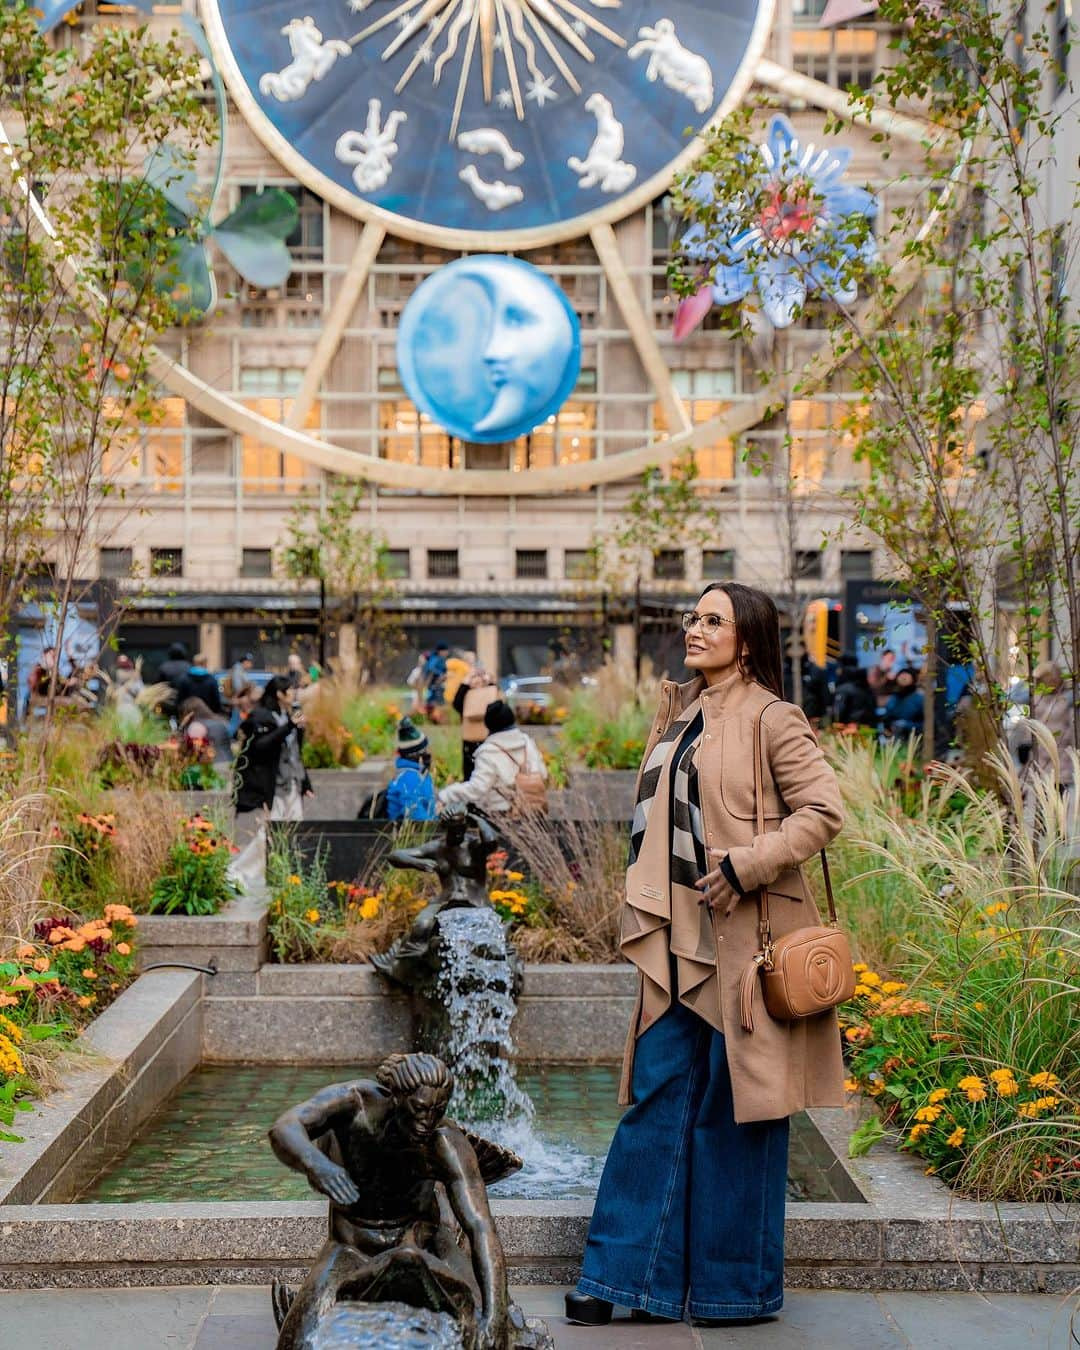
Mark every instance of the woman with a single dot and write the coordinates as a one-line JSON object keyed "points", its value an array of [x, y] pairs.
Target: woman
{"points": [[689, 1218], [199, 723], [471, 700], [507, 752], [269, 773]]}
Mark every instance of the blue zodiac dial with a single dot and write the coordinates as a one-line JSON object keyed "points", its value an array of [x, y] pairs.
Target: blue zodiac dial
{"points": [[488, 347], [499, 117]]}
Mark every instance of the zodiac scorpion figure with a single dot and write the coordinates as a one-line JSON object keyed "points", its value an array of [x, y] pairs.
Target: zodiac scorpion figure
{"points": [[675, 65], [372, 149], [602, 164], [312, 59]]}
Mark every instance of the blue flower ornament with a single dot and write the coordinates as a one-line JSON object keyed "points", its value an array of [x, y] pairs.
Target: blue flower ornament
{"points": [[793, 232]]}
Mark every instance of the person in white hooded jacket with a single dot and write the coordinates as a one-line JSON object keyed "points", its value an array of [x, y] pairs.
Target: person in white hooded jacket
{"points": [[505, 753]]}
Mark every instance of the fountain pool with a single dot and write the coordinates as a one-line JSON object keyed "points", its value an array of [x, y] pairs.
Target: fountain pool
{"points": [[207, 1141]]}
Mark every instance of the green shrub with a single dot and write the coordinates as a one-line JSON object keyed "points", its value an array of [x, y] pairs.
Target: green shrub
{"points": [[195, 880]]}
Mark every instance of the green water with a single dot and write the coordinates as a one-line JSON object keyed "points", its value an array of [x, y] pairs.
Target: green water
{"points": [[208, 1140]]}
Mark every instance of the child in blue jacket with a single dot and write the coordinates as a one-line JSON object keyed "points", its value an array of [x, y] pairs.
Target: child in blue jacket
{"points": [[411, 793]]}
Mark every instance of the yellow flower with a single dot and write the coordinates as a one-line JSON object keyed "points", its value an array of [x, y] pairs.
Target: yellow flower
{"points": [[893, 986], [999, 1075], [917, 1133], [928, 1113], [980, 1006], [851, 1085], [11, 1029], [870, 978], [1044, 1080], [938, 1095], [312, 916], [957, 1137], [861, 991], [999, 907], [11, 1063], [370, 907], [859, 967], [294, 880], [515, 876], [973, 1087]]}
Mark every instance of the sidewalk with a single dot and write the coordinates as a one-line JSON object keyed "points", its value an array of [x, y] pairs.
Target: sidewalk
{"points": [[239, 1318]]}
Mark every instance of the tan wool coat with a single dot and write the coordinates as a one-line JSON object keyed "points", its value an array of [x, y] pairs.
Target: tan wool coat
{"points": [[780, 1067]]}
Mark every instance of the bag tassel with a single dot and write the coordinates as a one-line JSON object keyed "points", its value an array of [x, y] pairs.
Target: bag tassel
{"points": [[747, 985]]}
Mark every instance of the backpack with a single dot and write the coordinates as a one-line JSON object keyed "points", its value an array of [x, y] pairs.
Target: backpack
{"points": [[529, 794]]}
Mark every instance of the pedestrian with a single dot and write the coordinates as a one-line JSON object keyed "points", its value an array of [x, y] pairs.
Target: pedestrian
{"points": [[126, 689], [173, 669], [199, 683], [474, 696], [435, 681], [193, 712], [411, 792], [295, 673], [854, 703], [1052, 705], [882, 676], [269, 773], [507, 766], [903, 714], [689, 1216]]}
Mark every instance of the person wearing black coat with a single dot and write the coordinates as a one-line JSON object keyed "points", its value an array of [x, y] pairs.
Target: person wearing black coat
{"points": [[264, 738], [197, 682], [854, 703]]}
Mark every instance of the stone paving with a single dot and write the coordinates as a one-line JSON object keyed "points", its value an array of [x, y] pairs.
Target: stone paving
{"points": [[201, 1318]]}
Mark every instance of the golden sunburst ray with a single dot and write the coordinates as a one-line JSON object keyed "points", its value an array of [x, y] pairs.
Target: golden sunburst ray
{"points": [[489, 25]]}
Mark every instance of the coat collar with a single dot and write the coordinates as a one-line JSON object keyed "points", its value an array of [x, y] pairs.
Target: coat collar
{"points": [[718, 700]]}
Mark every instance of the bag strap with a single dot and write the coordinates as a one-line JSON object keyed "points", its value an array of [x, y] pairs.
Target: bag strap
{"points": [[764, 926]]}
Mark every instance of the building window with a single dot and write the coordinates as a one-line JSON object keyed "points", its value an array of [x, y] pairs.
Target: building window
{"points": [[257, 562], [115, 562], [836, 56], [397, 562], [705, 394], [442, 563], [669, 564], [579, 564], [530, 564], [808, 564], [298, 303], [718, 564], [268, 390], [167, 562], [857, 564]]}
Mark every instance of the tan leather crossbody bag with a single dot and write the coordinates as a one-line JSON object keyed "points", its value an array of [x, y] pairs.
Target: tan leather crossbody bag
{"points": [[802, 973]]}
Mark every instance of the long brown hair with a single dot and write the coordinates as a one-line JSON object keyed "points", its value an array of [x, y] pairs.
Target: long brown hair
{"points": [[757, 634]]}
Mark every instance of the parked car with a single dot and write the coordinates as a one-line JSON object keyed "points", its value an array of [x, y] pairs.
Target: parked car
{"points": [[259, 678], [526, 691]]}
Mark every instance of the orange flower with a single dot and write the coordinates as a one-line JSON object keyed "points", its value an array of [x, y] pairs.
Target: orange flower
{"points": [[89, 973], [6, 1000], [123, 949], [85, 1000], [21, 982], [115, 913], [41, 965], [60, 934], [25, 952], [75, 943]]}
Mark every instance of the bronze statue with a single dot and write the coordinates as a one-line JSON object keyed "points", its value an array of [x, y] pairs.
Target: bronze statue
{"points": [[458, 853], [403, 1183]]}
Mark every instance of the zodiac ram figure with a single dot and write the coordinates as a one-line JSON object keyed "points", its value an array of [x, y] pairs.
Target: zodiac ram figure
{"points": [[678, 67]]}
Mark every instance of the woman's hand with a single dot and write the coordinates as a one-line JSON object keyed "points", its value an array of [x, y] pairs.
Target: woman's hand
{"points": [[719, 894]]}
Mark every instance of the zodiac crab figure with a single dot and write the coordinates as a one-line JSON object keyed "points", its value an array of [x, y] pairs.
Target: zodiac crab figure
{"points": [[675, 65], [372, 149], [409, 1217], [312, 60]]}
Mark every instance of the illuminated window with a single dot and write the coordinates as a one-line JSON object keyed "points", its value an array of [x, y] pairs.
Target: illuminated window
{"points": [[705, 394], [265, 469], [836, 56]]}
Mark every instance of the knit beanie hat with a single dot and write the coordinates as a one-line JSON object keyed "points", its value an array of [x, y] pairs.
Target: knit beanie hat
{"points": [[410, 739], [498, 716]]}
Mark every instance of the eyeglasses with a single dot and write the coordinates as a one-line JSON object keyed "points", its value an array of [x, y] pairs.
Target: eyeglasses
{"points": [[710, 623]]}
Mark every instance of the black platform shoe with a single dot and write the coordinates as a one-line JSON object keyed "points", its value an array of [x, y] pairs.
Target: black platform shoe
{"points": [[587, 1311]]}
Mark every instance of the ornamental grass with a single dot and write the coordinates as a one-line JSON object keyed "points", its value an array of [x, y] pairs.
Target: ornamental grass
{"points": [[965, 1025]]}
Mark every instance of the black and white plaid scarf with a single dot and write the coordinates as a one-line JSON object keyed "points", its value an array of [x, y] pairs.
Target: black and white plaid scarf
{"points": [[687, 839]]}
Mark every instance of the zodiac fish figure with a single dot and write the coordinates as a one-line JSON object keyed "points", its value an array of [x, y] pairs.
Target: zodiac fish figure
{"points": [[489, 140], [312, 59], [372, 149], [602, 165], [678, 67], [496, 195]]}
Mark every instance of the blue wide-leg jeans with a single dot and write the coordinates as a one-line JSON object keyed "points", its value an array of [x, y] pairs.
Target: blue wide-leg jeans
{"points": [[689, 1217]]}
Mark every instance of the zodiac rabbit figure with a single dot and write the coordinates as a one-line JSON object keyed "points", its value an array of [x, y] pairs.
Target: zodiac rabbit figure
{"points": [[312, 59]]}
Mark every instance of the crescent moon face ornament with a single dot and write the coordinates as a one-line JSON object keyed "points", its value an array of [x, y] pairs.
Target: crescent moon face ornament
{"points": [[489, 348], [511, 118]]}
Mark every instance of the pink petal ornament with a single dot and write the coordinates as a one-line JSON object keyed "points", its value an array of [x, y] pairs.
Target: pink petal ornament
{"points": [[690, 311]]}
